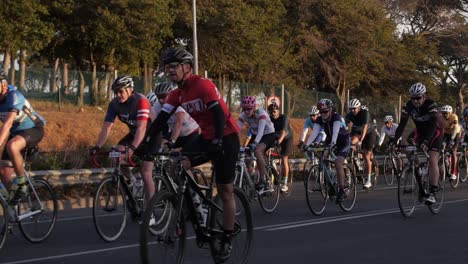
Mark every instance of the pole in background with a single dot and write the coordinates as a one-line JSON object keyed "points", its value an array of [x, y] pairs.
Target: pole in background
{"points": [[195, 40], [282, 99], [399, 109], [347, 100], [206, 74]]}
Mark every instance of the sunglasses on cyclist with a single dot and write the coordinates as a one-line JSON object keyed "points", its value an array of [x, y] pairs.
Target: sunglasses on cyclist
{"points": [[416, 98], [161, 96], [247, 109], [323, 112]]}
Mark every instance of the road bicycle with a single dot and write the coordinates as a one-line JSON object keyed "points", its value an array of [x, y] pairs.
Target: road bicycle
{"points": [[310, 160], [413, 183], [392, 165], [321, 184], [36, 213], [247, 175], [275, 161], [203, 208], [462, 162], [114, 197], [358, 164], [445, 165]]}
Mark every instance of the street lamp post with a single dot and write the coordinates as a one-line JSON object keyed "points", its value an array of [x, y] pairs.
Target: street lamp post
{"points": [[195, 40]]}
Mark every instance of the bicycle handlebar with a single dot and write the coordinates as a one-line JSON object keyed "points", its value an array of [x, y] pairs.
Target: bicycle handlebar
{"points": [[113, 153]]}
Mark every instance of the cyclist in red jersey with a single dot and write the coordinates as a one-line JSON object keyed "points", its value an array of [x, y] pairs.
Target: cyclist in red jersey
{"points": [[220, 133], [132, 109]]}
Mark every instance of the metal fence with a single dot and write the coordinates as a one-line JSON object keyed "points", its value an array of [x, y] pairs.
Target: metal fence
{"points": [[294, 101]]}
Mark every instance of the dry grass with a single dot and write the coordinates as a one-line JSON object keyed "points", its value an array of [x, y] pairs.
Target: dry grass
{"points": [[73, 129]]}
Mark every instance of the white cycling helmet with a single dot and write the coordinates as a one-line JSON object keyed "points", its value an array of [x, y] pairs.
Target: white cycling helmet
{"points": [[152, 98], [388, 118], [314, 110], [446, 109], [417, 89], [354, 103]]}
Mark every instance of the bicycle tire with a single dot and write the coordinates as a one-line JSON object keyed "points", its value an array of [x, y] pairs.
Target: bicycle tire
{"points": [[3, 222], [38, 227], [168, 245], [111, 195], [350, 190], [241, 240], [316, 191], [440, 196], [462, 168], [407, 192], [269, 198], [388, 171]]}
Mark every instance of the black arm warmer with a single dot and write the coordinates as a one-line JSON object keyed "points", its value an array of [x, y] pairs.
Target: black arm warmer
{"points": [[156, 127], [401, 126], [219, 120]]}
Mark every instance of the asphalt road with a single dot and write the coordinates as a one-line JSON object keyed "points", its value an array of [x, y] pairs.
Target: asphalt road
{"points": [[374, 232]]}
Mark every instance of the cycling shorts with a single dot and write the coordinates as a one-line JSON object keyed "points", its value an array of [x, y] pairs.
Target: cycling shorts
{"points": [[32, 136]]}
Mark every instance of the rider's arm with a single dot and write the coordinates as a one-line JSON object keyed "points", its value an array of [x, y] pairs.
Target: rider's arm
{"points": [[7, 124], [178, 125], [336, 130], [219, 119], [364, 131], [143, 115], [283, 129], [304, 133], [314, 134], [105, 131], [401, 125], [455, 128], [240, 123], [158, 124], [382, 136], [140, 133], [261, 130]]}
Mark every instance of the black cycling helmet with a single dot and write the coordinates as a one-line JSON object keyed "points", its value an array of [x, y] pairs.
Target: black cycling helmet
{"points": [[122, 82], [164, 88], [273, 107], [178, 55]]}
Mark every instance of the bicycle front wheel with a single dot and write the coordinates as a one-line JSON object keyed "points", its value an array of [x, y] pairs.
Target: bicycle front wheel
{"points": [[3, 222], [388, 171], [109, 209], [407, 192], [162, 235], [316, 191], [269, 196], [350, 190], [462, 168], [241, 240], [41, 206]]}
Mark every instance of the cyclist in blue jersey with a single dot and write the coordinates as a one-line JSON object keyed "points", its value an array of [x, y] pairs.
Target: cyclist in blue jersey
{"points": [[22, 128], [309, 123]]}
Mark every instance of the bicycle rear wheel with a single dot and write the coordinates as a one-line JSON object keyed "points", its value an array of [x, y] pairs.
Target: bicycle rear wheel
{"points": [[3, 222], [109, 209], [462, 167], [241, 240], [407, 192], [316, 191], [41, 204], [167, 245], [440, 196], [388, 171], [269, 196], [350, 190]]}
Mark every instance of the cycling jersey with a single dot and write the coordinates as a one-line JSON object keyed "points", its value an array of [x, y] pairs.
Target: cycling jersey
{"points": [[385, 131], [254, 120], [429, 126], [194, 98], [359, 121], [451, 123], [309, 123], [136, 108], [188, 124], [335, 131], [26, 117], [282, 123]]}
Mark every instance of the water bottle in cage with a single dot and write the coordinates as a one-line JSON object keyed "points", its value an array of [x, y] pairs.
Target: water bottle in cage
{"points": [[200, 209]]}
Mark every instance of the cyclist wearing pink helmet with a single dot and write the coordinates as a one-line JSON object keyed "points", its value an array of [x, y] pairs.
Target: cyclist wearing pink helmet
{"points": [[263, 132]]}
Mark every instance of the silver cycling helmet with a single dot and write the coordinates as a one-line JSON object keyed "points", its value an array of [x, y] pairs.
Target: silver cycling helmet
{"points": [[354, 103], [417, 89]]}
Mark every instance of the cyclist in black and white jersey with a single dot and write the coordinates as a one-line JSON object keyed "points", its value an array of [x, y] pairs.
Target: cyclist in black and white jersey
{"points": [[388, 129], [428, 133], [362, 134]]}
